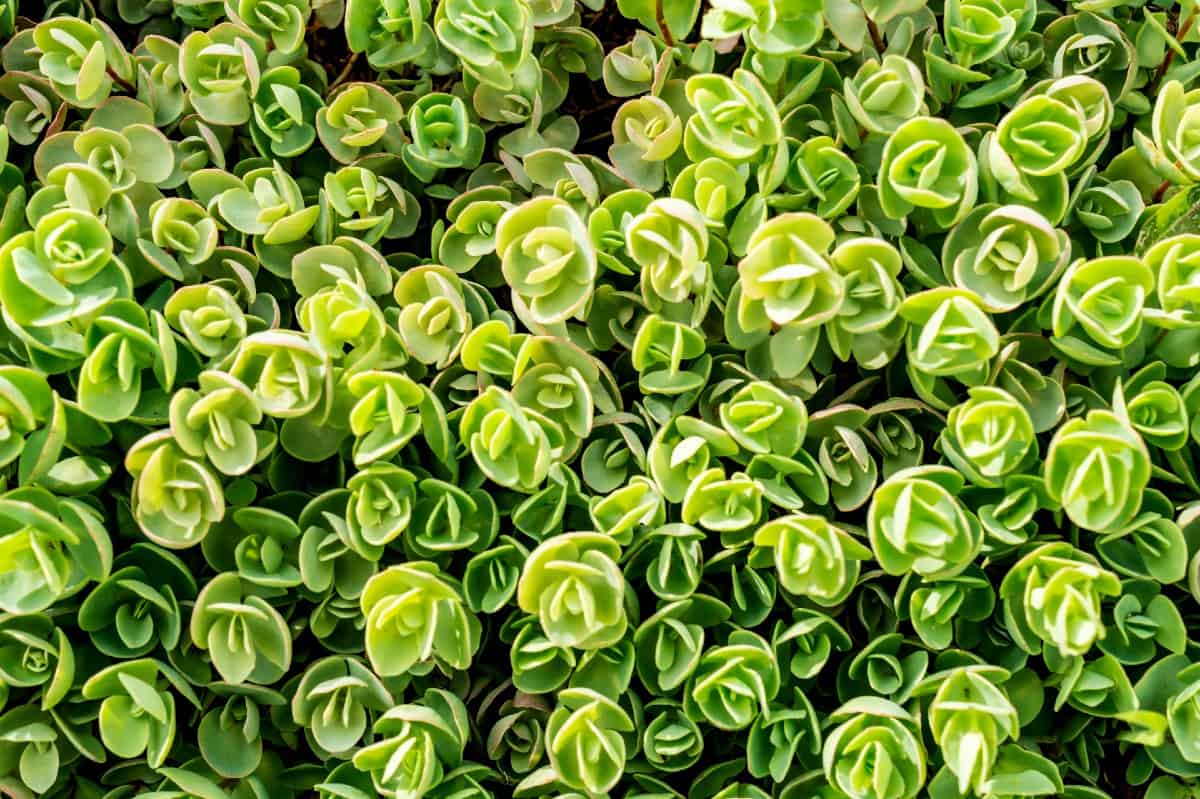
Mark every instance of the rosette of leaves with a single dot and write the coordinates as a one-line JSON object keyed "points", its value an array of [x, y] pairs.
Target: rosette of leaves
{"points": [[813, 558], [27, 403], [358, 202], [176, 497], [1043, 135], [630, 68], [762, 418], [728, 504], [50, 548], [349, 327], [585, 739], [29, 750], [735, 118], [388, 412], [514, 446], [547, 258], [734, 684], [804, 644], [492, 38], [670, 358], [54, 280], [37, 654], [787, 734], [414, 617], [684, 448], [390, 32], [244, 635], [121, 344], [416, 744], [628, 510], [1007, 255], [1092, 45], [490, 577], [971, 717], [159, 82], [538, 665], [938, 609], [218, 421], [182, 236], [771, 27], [1109, 210], [209, 317], [119, 144], [327, 557], [668, 644], [820, 173], [668, 241], [928, 168], [978, 30], [443, 137], [671, 741], [379, 507], [81, 58], [281, 22], [447, 519], [471, 220], [1103, 298], [1174, 261], [646, 132], [572, 583], [867, 326], [713, 186], [1143, 620], [1155, 409], [269, 206], [517, 739], [884, 94], [284, 113], [358, 119], [287, 373], [786, 284], [949, 334], [874, 751], [989, 436], [221, 69], [334, 701], [137, 708], [1097, 467], [230, 734], [137, 608], [561, 382], [32, 106], [1053, 595], [915, 523], [434, 319], [889, 665]]}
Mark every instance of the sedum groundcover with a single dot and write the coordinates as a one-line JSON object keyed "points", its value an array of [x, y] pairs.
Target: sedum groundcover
{"points": [[473, 399]]}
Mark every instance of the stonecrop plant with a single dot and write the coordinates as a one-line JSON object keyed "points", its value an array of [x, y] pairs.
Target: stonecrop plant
{"points": [[600, 399]]}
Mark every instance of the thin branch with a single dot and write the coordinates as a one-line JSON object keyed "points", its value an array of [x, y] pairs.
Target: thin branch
{"points": [[1152, 87], [876, 36], [345, 73], [1160, 191], [661, 19], [117, 79]]}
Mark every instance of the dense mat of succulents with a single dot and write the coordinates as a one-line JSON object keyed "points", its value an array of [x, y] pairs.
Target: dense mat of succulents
{"points": [[463, 399]]}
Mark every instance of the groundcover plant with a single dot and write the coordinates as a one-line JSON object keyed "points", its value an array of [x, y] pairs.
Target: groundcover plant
{"points": [[571, 399]]}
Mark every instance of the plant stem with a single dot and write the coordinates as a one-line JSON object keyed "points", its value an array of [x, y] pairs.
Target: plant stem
{"points": [[345, 73], [117, 79], [876, 36], [661, 19], [1152, 88]]}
